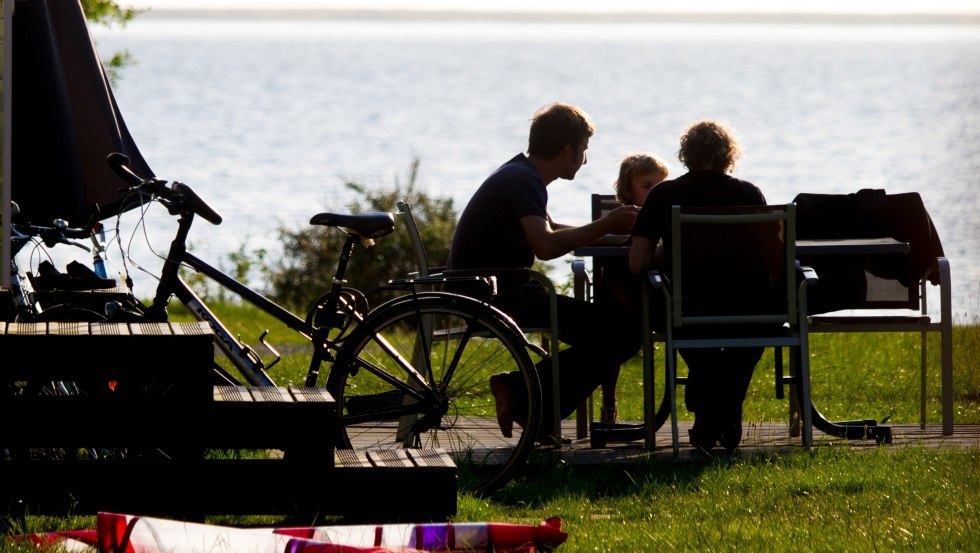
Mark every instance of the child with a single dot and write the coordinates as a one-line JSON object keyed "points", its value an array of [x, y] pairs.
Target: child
{"points": [[638, 173]]}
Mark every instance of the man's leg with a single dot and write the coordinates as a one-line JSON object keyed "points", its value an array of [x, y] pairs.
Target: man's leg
{"points": [[528, 307], [739, 364], [702, 395], [599, 338], [718, 380]]}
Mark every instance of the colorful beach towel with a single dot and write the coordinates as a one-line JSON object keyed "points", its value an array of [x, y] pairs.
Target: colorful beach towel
{"points": [[120, 533]]}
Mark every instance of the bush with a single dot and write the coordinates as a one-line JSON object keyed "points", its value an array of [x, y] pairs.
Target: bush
{"points": [[310, 254]]}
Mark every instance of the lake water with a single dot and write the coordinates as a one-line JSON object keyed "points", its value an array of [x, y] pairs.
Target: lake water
{"points": [[266, 118]]}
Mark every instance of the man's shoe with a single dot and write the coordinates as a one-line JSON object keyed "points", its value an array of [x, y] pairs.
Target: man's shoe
{"points": [[731, 435], [504, 399], [703, 435]]}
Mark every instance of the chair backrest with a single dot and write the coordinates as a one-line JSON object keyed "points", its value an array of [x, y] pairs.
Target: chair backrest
{"points": [[877, 282], [405, 213], [733, 265], [603, 204]]}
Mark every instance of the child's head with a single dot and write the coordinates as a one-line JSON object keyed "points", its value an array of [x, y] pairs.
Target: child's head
{"points": [[638, 173]]}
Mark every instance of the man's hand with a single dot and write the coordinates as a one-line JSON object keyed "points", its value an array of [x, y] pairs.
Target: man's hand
{"points": [[621, 219]]}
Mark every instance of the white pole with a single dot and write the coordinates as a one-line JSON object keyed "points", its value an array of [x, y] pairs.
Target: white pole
{"points": [[8, 35]]}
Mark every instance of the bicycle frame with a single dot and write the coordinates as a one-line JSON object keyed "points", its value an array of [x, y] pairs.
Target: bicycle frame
{"points": [[245, 359]]}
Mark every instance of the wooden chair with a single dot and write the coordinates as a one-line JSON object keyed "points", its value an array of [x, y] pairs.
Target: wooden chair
{"points": [[716, 254], [550, 332], [600, 433], [881, 293], [582, 289]]}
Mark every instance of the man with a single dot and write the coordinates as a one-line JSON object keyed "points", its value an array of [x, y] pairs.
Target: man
{"points": [[506, 224], [718, 379]]}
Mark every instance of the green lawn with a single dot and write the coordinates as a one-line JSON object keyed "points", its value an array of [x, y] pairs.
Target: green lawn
{"points": [[832, 499]]}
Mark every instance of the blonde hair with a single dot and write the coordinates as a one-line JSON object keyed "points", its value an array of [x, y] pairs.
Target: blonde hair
{"points": [[633, 165], [709, 145]]}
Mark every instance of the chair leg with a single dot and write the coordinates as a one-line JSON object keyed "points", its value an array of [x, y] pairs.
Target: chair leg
{"points": [[946, 335], [671, 384], [583, 416], [924, 344], [649, 398], [794, 402], [806, 405]]}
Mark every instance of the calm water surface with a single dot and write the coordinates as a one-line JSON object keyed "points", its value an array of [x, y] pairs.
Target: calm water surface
{"points": [[267, 118]]}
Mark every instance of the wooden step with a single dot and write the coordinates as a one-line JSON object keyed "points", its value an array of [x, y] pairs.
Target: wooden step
{"points": [[405, 485]]}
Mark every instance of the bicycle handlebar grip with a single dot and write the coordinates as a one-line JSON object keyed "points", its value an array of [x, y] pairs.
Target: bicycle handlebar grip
{"points": [[76, 232], [197, 204], [120, 164]]}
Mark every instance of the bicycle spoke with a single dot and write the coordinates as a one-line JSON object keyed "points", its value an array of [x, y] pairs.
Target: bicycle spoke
{"points": [[458, 346]]}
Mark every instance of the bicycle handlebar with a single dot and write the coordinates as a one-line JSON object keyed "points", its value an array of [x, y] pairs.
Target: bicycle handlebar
{"points": [[57, 234], [179, 197]]}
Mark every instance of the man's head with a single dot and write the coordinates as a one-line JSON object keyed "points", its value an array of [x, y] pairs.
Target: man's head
{"points": [[560, 133], [709, 145]]}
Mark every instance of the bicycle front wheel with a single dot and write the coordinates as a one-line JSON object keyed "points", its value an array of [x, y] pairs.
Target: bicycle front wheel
{"points": [[416, 374]]}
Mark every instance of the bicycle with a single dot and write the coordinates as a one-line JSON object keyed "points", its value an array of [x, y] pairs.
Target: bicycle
{"points": [[36, 297], [31, 297], [412, 371]]}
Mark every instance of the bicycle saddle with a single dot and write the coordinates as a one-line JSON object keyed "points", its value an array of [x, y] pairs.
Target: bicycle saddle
{"points": [[366, 225]]}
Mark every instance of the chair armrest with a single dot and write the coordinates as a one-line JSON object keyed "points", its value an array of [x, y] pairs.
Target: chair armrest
{"points": [[482, 287], [656, 280], [936, 270], [502, 273], [582, 284], [806, 274], [494, 274]]}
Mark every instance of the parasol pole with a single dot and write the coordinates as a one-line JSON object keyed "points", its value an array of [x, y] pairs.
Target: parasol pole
{"points": [[8, 33]]}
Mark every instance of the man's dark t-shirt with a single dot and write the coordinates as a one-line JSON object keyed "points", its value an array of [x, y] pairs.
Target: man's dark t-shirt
{"points": [[734, 251], [489, 232], [694, 189]]}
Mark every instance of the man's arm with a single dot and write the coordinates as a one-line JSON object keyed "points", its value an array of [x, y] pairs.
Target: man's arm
{"points": [[549, 241], [555, 225], [644, 255]]}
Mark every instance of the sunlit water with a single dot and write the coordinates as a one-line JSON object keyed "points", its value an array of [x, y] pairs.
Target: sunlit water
{"points": [[267, 118]]}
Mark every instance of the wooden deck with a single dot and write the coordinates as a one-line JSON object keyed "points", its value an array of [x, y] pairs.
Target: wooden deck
{"points": [[763, 438]]}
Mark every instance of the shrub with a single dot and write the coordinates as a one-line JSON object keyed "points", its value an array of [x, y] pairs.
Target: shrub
{"points": [[310, 254]]}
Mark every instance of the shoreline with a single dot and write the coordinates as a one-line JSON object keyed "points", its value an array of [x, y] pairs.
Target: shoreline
{"points": [[579, 17]]}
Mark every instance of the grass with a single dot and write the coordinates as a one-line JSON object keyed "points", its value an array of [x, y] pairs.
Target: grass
{"points": [[829, 499], [853, 375]]}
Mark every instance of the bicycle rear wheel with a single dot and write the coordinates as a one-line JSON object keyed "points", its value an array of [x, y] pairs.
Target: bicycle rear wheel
{"points": [[416, 374]]}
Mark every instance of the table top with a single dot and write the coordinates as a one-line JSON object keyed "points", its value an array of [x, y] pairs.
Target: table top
{"points": [[614, 245], [610, 245], [842, 246]]}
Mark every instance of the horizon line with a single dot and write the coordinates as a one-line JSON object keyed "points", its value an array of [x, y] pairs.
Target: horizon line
{"points": [[591, 17]]}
